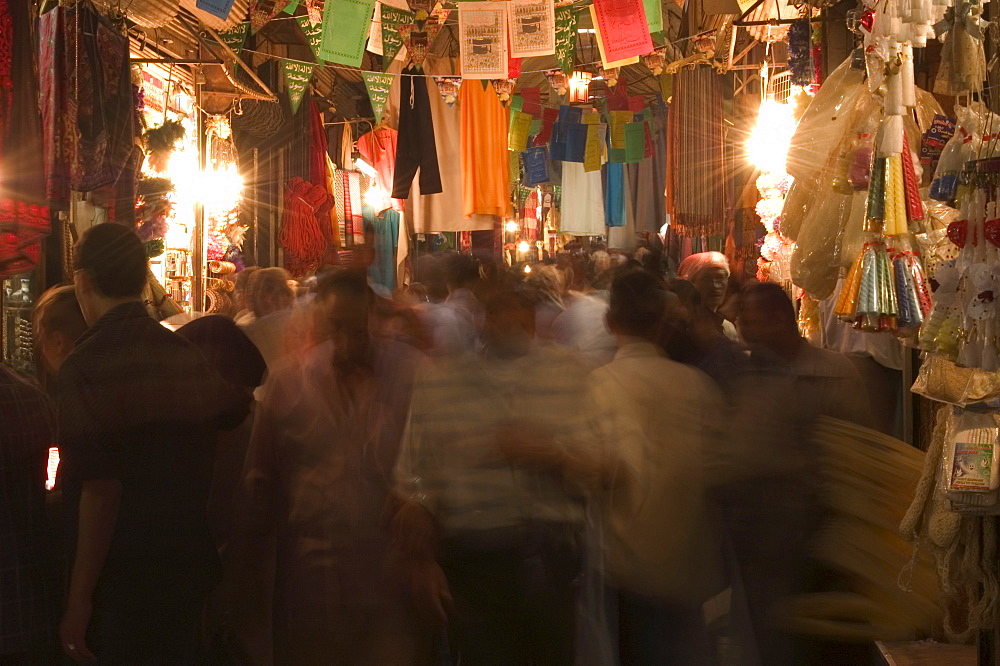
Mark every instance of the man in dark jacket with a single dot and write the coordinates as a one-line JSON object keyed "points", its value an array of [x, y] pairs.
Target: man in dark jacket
{"points": [[139, 411]]}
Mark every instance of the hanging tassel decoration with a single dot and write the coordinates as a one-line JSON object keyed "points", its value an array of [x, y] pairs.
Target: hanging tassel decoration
{"points": [[867, 309], [876, 194], [847, 304], [898, 197], [891, 193], [914, 204]]}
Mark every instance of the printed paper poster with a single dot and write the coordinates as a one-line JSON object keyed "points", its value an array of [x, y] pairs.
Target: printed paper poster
{"points": [[482, 30], [378, 86], [532, 27], [625, 43], [566, 36], [297, 78], [345, 30]]}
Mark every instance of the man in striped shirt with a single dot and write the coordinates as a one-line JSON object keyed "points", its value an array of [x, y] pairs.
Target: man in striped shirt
{"points": [[494, 451]]}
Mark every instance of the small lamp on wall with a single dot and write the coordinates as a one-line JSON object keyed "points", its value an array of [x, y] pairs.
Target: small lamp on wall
{"points": [[579, 87]]}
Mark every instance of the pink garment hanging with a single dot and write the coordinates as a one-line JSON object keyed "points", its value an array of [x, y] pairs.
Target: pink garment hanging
{"points": [[378, 148]]}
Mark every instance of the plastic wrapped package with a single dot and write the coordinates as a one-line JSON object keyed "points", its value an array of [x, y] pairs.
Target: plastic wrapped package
{"points": [[815, 262], [824, 122], [963, 146], [829, 174]]}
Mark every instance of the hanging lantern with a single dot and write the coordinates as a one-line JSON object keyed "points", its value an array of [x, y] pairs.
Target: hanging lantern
{"points": [[448, 86], [558, 80], [610, 76], [654, 61], [579, 87], [504, 88]]}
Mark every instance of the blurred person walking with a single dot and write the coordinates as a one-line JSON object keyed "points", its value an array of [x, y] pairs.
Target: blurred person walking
{"points": [[319, 473], [490, 530], [657, 420], [270, 298]]}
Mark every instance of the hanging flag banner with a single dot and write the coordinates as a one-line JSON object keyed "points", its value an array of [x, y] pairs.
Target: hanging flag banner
{"points": [[482, 30], [378, 86], [217, 8], [345, 30], [236, 38], [392, 41], [517, 136], [297, 78], [618, 121], [292, 6], [648, 148], [261, 11], [592, 118], [536, 166], [576, 142], [532, 27], [565, 35], [635, 142], [448, 86], [621, 29], [313, 33], [654, 15], [595, 147], [549, 117], [536, 127], [314, 10], [375, 32]]}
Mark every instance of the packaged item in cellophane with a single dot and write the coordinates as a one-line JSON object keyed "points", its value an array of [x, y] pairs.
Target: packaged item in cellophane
{"points": [[972, 463]]}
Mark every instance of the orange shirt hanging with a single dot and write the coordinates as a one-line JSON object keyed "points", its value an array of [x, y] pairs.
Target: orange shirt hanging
{"points": [[485, 166]]}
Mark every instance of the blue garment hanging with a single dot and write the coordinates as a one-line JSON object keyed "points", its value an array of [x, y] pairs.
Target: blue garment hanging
{"points": [[614, 195]]}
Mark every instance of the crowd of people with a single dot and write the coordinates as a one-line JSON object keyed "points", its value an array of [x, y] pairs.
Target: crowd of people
{"points": [[580, 461]]}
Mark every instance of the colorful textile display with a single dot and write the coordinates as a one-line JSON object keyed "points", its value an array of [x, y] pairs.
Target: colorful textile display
{"points": [[695, 154], [87, 101], [485, 175], [303, 232], [24, 213]]}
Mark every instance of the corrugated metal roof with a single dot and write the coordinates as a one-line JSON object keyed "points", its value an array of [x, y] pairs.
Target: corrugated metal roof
{"points": [[145, 13]]}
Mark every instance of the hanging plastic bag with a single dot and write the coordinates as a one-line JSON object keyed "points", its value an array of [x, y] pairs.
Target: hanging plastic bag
{"points": [[963, 146], [972, 460]]}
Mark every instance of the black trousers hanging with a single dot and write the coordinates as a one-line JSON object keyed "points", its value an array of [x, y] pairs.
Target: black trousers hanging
{"points": [[415, 147]]}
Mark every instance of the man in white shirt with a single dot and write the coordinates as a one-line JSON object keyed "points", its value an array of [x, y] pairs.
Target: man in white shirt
{"points": [[656, 419]]}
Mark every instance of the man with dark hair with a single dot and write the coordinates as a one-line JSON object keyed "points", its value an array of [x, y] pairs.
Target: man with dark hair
{"points": [[824, 379], [768, 476], [139, 411], [325, 440], [654, 418]]}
